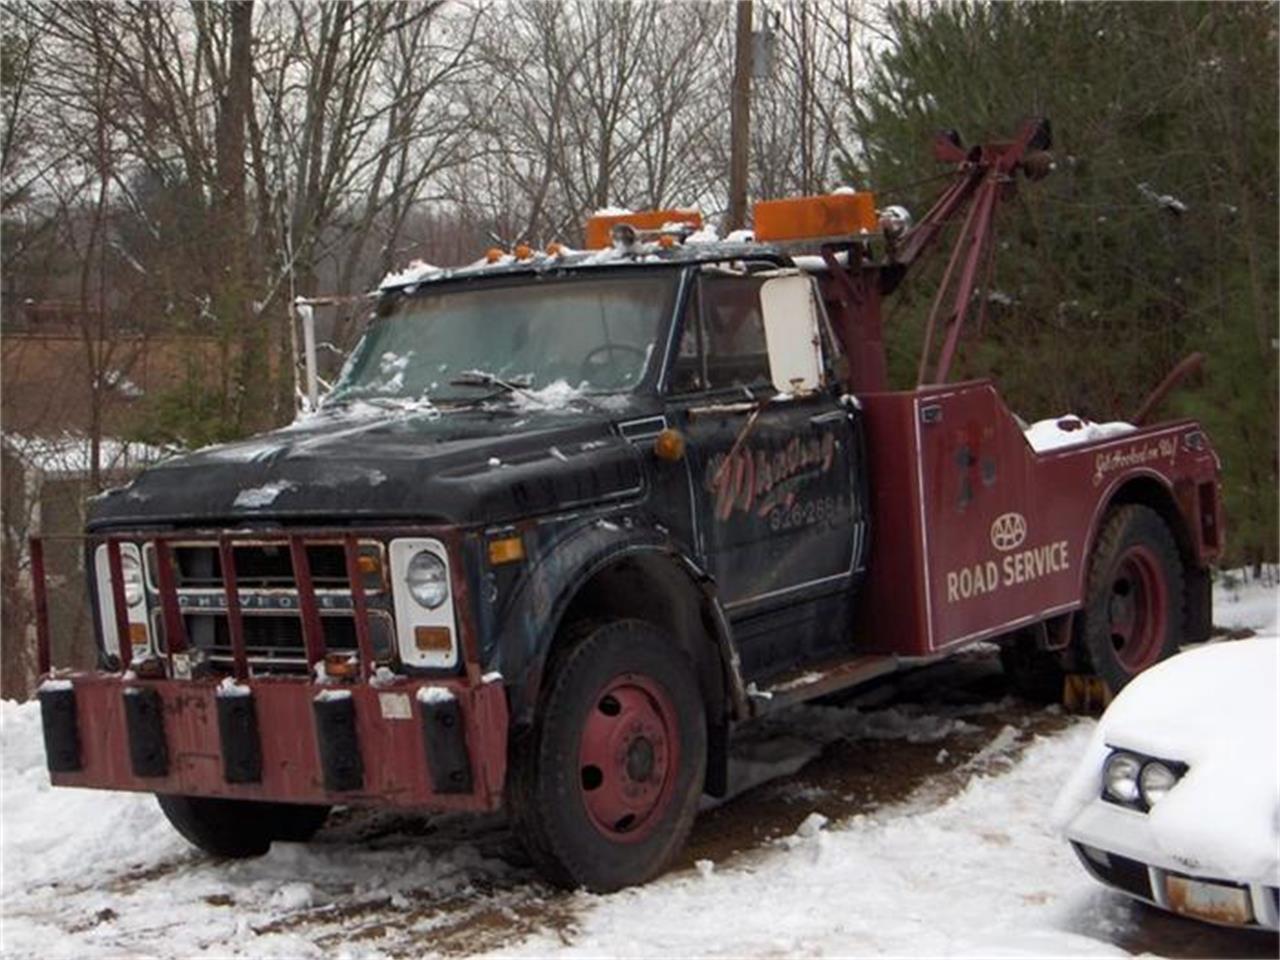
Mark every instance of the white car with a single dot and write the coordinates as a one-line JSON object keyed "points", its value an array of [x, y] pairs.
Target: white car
{"points": [[1177, 800]]}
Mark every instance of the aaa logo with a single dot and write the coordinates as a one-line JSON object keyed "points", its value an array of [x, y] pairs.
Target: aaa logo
{"points": [[1008, 531]]}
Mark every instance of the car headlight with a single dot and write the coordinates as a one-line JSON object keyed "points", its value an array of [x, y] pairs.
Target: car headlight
{"points": [[1155, 781], [427, 579], [1120, 777], [131, 570]]}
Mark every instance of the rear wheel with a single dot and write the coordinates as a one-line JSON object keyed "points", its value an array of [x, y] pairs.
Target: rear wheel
{"points": [[240, 828], [1133, 615], [605, 786]]}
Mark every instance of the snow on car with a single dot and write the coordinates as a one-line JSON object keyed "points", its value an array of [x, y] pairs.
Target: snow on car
{"points": [[1177, 799]]}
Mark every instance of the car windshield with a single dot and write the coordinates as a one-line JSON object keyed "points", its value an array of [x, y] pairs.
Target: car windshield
{"points": [[594, 334]]}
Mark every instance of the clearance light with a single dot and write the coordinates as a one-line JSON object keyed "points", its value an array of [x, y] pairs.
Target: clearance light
{"points": [[523, 251], [493, 255], [814, 218], [556, 249], [666, 241], [506, 550]]}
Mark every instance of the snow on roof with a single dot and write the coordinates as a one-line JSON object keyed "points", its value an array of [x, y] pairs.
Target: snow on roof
{"points": [[415, 272], [70, 453]]}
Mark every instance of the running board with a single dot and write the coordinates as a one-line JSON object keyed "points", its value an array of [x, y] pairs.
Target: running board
{"points": [[818, 681]]}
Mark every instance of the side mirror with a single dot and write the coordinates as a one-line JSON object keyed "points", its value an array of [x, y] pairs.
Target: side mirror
{"points": [[791, 331]]}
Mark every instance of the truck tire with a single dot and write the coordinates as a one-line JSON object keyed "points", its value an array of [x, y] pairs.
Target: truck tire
{"points": [[604, 787], [240, 828], [1134, 598]]}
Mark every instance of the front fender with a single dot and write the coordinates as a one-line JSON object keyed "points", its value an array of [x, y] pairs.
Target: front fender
{"points": [[557, 572]]}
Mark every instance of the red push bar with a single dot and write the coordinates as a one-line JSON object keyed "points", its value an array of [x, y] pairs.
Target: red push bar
{"points": [[175, 630], [312, 629], [123, 638], [358, 608], [235, 623]]}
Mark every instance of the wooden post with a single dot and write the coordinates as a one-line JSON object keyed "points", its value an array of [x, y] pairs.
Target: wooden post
{"points": [[740, 119]]}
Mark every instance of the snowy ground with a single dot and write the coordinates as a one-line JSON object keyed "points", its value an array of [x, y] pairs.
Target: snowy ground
{"points": [[917, 826]]}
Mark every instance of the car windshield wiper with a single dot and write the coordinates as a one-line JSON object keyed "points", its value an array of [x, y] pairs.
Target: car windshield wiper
{"points": [[482, 378]]}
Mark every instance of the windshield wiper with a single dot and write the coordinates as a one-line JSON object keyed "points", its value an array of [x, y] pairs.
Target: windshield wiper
{"points": [[482, 378]]}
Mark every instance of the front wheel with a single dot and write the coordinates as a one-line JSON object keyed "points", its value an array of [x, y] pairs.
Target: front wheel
{"points": [[1134, 603], [240, 828], [605, 787]]}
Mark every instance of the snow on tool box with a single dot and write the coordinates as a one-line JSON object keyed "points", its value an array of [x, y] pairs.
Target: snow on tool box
{"points": [[548, 563]]}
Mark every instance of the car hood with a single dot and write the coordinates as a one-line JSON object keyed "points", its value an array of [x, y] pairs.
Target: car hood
{"points": [[470, 465], [1214, 709]]}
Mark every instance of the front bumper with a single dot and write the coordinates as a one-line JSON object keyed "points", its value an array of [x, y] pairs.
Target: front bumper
{"points": [[415, 743], [1116, 847]]}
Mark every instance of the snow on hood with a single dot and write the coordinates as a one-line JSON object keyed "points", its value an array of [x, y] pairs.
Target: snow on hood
{"points": [[1213, 708], [558, 395], [1069, 430]]}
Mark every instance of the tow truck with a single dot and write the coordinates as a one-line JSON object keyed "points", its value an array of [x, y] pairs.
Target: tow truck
{"points": [[568, 517]]}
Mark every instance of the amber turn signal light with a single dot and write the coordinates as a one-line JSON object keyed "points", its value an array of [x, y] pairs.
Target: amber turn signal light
{"points": [[669, 445], [340, 665], [506, 550], [137, 635], [433, 639]]}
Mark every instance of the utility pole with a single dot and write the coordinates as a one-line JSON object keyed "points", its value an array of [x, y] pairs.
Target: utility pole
{"points": [[740, 118]]}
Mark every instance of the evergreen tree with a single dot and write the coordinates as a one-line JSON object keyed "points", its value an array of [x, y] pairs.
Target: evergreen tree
{"points": [[1155, 236]]}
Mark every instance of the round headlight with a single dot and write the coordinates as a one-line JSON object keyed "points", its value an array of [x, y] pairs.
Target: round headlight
{"points": [[131, 570], [1155, 781], [427, 579], [1120, 777]]}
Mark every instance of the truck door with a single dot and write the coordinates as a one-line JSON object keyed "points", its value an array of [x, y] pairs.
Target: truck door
{"points": [[778, 511]]}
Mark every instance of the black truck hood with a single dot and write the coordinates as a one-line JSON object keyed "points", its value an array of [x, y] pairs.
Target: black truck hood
{"points": [[463, 466]]}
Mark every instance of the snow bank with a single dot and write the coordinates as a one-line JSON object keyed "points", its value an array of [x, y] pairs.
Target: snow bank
{"points": [[55, 835], [1215, 709], [1242, 600], [1069, 430], [982, 875]]}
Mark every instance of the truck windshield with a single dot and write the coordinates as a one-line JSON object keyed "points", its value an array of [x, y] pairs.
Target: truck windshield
{"points": [[595, 334]]}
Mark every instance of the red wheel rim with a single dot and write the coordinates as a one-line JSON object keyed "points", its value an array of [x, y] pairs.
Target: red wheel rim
{"points": [[1137, 609], [628, 757]]}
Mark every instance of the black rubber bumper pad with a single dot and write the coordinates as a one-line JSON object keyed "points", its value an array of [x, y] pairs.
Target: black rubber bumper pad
{"points": [[339, 744], [445, 738], [144, 720], [61, 735], [238, 734]]}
